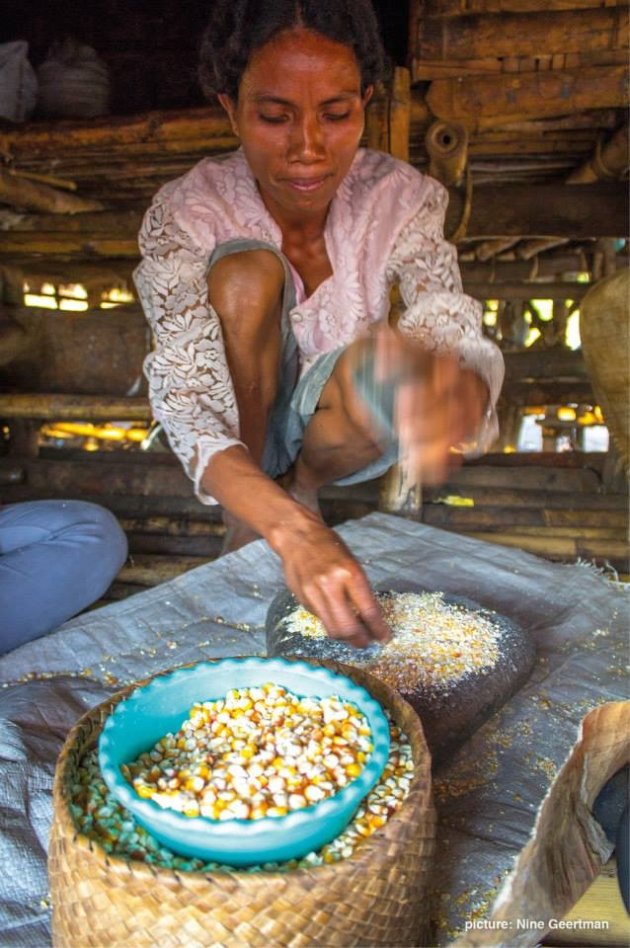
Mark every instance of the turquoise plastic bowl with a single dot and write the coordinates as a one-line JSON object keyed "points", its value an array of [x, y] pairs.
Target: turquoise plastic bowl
{"points": [[160, 707]]}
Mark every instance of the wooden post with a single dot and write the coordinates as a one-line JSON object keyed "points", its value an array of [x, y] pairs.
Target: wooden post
{"points": [[398, 493]]}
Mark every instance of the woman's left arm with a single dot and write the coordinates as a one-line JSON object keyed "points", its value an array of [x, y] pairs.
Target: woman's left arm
{"points": [[438, 315]]}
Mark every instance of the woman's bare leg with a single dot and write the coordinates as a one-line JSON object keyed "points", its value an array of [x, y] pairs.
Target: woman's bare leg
{"points": [[245, 289], [339, 439]]}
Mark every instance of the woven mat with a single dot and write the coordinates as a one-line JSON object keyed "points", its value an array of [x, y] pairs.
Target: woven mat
{"points": [[487, 796]]}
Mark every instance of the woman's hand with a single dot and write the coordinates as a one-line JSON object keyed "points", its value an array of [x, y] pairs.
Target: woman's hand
{"points": [[439, 405], [322, 573]]}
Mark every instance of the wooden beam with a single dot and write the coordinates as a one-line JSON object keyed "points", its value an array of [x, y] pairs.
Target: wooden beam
{"points": [[546, 267], [543, 210], [22, 193], [497, 36], [535, 364], [97, 352], [116, 133], [486, 101], [444, 8], [56, 407], [526, 291]]}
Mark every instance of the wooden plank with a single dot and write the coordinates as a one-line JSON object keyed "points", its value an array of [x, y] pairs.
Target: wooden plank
{"points": [[528, 478], [547, 392], [54, 138], [521, 34], [580, 521], [168, 479], [145, 569], [601, 902], [545, 268], [57, 407], [485, 101], [509, 210], [527, 291], [541, 210], [172, 526], [534, 364], [208, 547], [444, 8], [107, 479], [29, 195], [614, 551], [431, 69], [96, 352], [589, 460]]}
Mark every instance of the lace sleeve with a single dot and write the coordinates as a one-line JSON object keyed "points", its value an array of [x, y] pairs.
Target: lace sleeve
{"points": [[190, 387], [437, 313]]}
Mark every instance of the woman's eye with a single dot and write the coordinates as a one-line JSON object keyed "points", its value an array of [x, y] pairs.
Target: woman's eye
{"points": [[337, 116], [272, 119]]}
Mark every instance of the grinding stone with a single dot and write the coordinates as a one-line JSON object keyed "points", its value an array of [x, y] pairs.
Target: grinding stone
{"points": [[448, 717]]}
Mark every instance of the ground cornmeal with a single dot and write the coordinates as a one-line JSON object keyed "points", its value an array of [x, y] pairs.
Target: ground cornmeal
{"points": [[434, 644]]}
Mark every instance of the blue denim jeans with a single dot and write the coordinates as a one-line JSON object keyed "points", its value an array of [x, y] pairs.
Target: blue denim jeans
{"points": [[56, 558]]}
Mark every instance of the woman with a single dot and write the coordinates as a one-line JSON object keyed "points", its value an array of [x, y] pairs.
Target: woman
{"points": [[266, 279]]}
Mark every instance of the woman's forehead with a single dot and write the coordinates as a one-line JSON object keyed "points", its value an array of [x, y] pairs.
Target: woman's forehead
{"points": [[301, 56]]}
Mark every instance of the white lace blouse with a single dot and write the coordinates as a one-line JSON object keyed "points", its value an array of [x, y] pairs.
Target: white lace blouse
{"points": [[385, 225]]}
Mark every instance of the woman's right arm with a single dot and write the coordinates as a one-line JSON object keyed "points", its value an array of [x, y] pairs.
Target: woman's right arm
{"points": [[190, 388]]}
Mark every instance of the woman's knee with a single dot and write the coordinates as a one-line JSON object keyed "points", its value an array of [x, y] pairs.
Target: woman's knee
{"points": [[341, 396], [111, 535], [96, 529], [247, 286]]}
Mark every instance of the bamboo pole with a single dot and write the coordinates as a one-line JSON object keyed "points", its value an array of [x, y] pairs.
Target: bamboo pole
{"points": [[609, 160], [53, 138], [20, 192], [400, 493]]}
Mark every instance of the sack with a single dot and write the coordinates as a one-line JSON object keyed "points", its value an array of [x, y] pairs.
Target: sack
{"points": [[18, 82], [73, 82]]}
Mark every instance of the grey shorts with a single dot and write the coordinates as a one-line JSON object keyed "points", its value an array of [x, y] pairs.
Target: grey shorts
{"points": [[297, 398]]}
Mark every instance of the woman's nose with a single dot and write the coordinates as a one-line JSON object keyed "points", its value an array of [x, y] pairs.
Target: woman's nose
{"points": [[307, 140]]}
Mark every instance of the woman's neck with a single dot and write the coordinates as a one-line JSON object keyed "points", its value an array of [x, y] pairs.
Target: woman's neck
{"points": [[299, 224]]}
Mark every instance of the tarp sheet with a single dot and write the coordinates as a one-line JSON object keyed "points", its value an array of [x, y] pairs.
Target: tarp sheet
{"points": [[487, 795]]}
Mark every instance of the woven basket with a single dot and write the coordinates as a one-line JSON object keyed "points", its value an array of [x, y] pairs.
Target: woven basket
{"points": [[376, 897]]}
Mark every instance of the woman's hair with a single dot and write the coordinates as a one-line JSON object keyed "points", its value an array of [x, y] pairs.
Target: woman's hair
{"points": [[238, 27]]}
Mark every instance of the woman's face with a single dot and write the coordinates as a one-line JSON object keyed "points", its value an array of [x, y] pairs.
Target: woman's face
{"points": [[299, 117]]}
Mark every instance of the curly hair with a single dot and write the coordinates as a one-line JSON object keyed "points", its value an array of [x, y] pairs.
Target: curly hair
{"points": [[238, 27]]}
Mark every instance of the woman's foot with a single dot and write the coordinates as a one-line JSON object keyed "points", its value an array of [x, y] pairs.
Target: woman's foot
{"points": [[237, 534], [306, 496]]}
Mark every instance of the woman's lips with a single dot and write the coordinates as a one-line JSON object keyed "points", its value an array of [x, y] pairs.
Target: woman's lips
{"points": [[306, 185]]}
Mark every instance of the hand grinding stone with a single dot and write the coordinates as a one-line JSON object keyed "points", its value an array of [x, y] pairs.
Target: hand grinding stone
{"points": [[453, 660]]}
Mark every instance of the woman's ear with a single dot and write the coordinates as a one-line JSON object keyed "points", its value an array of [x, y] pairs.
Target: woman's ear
{"points": [[367, 95], [230, 108]]}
